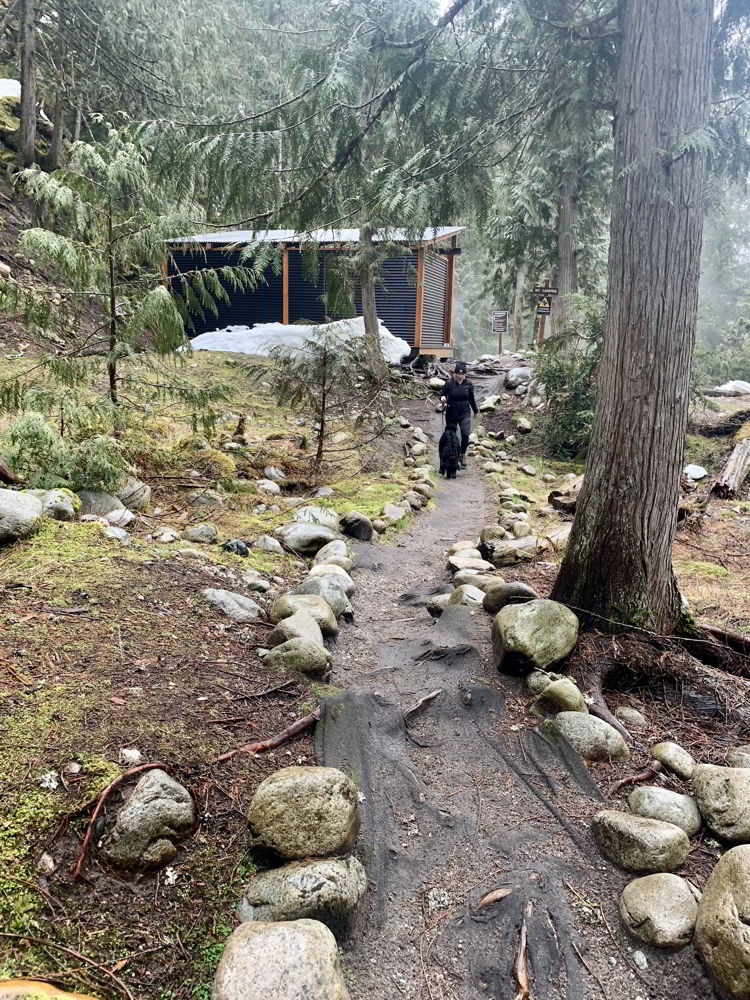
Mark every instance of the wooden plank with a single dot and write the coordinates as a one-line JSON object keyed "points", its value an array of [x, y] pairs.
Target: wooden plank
{"points": [[420, 298], [285, 284], [438, 352], [448, 310]]}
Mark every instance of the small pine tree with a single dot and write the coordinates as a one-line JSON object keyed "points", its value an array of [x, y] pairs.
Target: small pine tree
{"points": [[108, 249]]}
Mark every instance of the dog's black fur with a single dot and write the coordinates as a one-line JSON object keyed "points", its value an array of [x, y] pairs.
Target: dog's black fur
{"points": [[450, 451]]}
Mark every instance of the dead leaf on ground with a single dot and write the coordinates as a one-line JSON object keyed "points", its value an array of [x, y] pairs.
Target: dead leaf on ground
{"points": [[495, 896]]}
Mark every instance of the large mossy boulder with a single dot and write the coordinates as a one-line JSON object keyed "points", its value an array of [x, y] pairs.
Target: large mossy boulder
{"points": [[639, 845], [20, 515], [660, 909], [534, 635]]}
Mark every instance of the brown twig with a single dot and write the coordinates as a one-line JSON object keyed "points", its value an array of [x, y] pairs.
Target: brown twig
{"points": [[266, 692], [588, 968], [651, 771], [44, 943], [300, 726], [101, 799]]}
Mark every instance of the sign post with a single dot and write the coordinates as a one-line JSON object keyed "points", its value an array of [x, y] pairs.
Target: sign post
{"points": [[544, 305], [500, 326]]}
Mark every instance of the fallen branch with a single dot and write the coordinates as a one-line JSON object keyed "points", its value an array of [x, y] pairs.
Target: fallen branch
{"points": [[300, 726], [421, 704], [650, 772], [44, 943], [521, 967], [100, 800]]}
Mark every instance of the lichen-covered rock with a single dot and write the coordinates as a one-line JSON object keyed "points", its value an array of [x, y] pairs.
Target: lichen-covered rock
{"points": [[660, 910], [135, 494], [313, 514], [631, 718], [205, 498], [467, 595], [722, 932], [266, 543], [329, 890], [675, 758], [60, 505], [300, 625], [739, 756], [460, 561], [300, 655], [301, 812], [505, 553], [500, 594], [332, 569], [538, 634], [593, 738], [203, 534], [723, 797], [235, 606], [437, 604], [638, 844], [159, 813], [336, 552], [312, 604], [564, 695], [662, 803], [306, 539], [291, 960], [20, 515]]}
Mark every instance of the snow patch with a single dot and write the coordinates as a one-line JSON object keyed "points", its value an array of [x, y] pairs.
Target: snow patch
{"points": [[260, 338], [9, 88], [736, 386]]}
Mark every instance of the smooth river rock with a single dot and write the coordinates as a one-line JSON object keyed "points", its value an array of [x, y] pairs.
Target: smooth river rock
{"points": [[639, 845], [300, 625], [722, 932], [496, 597], [331, 589], [661, 803], [593, 738], [300, 655], [660, 909], [303, 538], [538, 633], [312, 604], [723, 797], [675, 758], [20, 515], [301, 812], [292, 960], [235, 606]]}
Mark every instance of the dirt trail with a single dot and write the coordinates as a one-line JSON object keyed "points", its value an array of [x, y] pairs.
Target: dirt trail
{"points": [[466, 800]]}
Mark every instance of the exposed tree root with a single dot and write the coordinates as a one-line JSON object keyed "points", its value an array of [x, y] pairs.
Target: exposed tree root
{"points": [[300, 726], [521, 968], [723, 692], [651, 771]]}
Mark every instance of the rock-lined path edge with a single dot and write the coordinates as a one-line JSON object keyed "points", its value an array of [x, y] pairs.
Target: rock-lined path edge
{"points": [[462, 801]]}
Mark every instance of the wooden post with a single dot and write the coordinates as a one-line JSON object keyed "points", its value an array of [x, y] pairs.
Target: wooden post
{"points": [[542, 319], [449, 281], [285, 285], [420, 298], [500, 338]]}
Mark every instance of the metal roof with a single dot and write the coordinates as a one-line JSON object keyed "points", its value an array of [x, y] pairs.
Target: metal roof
{"points": [[318, 236]]}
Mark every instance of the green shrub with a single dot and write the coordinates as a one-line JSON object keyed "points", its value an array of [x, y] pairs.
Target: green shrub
{"points": [[567, 367], [38, 452]]}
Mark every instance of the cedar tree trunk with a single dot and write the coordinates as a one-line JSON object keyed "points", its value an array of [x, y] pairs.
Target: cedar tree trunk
{"points": [[567, 252], [26, 148], [619, 560], [517, 322], [367, 286]]}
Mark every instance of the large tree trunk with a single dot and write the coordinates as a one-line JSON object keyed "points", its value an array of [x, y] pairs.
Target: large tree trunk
{"points": [[58, 130], [368, 255], [618, 566], [567, 252], [518, 307], [26, 147]]}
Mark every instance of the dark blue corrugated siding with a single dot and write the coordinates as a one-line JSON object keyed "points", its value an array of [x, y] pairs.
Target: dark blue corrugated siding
{"points": [[396, 296], [433, 307], [305, 298], [245, 308]]}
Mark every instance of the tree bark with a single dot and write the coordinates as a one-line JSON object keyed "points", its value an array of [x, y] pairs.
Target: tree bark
{"points": [[567, 252], [366, 276], [58, 130], [618, 566], [518, 307], [735, 471], [27, 144], [112, 360]]}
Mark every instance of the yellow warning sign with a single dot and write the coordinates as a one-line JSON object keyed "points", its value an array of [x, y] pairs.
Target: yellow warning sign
{"points": [[544, 305]]}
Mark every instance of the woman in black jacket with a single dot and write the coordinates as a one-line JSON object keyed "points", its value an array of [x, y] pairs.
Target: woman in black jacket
{"points": [[458, 398]]}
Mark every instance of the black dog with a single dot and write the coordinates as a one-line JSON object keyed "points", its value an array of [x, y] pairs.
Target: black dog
{"points": [[450, 451]]}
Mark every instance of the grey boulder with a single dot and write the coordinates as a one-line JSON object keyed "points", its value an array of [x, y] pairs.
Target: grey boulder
{"points": [[57, 504], [291, 960], [300, 625], [437, 604], [505, 553], [723, 797], [313, 514], [593, 738], [739, 756], [329, 890], [722, 932], [538, 633], [265, 543], [300, 655], [235, 606], [639, 845], [20, 515], [661, 803], [204, 534], [332, 569], [356, 525], [159, 813], [331, 589], [336, 552], [306, 539], [301, 812], [135, 494], [467, 595], [631, 718], [99, 503], [660, 909], [206, 498], [312, 604], [564, 695], [496, 597]]}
